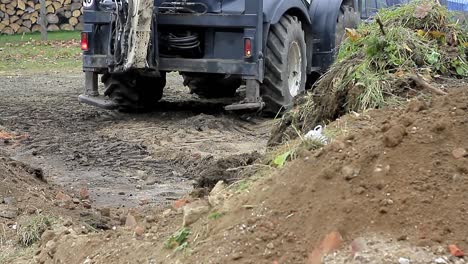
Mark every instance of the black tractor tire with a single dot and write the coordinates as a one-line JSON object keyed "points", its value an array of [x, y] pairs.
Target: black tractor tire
{"points": [[347, 18], [285, 77], [212, 85], [133, 91]]}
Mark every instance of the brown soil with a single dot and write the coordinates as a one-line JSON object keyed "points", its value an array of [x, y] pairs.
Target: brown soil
{"points": [[210, 171], [395, 174]]}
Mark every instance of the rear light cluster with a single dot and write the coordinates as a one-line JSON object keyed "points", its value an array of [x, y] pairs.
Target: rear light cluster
{"points": [[248, 48], [84, 41]]}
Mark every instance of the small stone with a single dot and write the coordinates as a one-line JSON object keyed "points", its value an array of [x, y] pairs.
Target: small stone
{"points": [[87, 204], [167, 212], [51, 247], [440, 261], [138, 187], [358, 245], [394, 136], [349, 172], [459, 153], [193, 211], [84, 193], [150, 219], [8, 212], [180, 203], [270, 245], [236, 256], [68, 223], [383, 210], [9, 200], [139, 231], [404, 261], [47, 236], [76, 200], [456, 251], [62, 197], [217, 194], [106, 211], [144, 201], [130, 221]]}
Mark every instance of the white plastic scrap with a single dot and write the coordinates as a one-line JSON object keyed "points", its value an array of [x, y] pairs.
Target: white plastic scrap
{"points": [[316, 135]]}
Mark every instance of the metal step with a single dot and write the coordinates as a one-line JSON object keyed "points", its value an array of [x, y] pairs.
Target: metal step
{"points": [[245, 106], [98, 101]]}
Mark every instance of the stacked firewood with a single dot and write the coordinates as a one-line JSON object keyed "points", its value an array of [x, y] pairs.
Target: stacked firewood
{"points": [[19, 16]]}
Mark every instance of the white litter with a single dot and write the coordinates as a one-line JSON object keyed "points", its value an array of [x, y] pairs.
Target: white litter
{"points": [[317, 135]]}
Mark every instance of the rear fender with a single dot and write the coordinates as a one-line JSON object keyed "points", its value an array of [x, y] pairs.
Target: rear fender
{"points": [[324, 15], [274, 10]]}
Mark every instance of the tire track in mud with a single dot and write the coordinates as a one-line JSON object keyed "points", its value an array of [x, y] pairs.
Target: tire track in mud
{"points": [[122, 158]]}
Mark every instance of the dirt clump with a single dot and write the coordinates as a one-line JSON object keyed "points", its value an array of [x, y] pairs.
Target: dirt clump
{"points": [[210, 171]]}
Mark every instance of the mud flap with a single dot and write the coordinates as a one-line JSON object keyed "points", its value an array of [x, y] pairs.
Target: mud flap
{"points": [[138, 27]]}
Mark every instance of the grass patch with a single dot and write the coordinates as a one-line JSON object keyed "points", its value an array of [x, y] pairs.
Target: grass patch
{"points": [[14, 254], [215, 215], [52, 36], [28, 53], [31, 229], [178, 240]]}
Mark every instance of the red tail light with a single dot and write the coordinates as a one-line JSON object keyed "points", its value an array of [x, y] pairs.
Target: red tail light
{"points": [[84, 41], [247, 47]]}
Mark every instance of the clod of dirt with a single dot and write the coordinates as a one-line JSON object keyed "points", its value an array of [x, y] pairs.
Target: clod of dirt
{"points": [[210, 171], [394, 136]]}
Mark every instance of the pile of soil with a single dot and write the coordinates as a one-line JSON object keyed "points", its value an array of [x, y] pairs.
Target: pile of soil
{"points": [[22, 189], [395, 182], [397, 172]]}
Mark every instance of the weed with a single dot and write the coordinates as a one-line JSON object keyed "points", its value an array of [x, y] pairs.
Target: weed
{"points": [[178, 240], [215, 215], [242, 185], [31, 229]]}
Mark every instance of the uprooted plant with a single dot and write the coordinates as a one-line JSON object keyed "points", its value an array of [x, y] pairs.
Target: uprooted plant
{"points": [[384, 61]]}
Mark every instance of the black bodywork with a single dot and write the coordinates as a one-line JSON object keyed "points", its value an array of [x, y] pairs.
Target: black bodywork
{"points": [[221, 28]]}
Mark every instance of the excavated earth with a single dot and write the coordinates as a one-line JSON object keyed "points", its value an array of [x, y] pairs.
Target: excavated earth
{"points": [[390, 188]]}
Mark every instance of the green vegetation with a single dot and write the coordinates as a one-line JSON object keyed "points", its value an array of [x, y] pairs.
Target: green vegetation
{"points": [[417, 38], [36, 36], [27, 53], [31, 229], [215, 215], [384, 62], [178, 240]]}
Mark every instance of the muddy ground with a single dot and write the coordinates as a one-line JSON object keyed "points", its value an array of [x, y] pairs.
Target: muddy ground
{"points": [[122, 158]]}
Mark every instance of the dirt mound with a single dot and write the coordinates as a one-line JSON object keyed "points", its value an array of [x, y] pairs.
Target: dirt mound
{"points": [[392, 187], [397, 172]]}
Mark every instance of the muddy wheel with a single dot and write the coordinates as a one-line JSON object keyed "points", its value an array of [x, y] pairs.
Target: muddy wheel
{"points": [[211, 85], [348, 18], [133, 91], [285, 65]]}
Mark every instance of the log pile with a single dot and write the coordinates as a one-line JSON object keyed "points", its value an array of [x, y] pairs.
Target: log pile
{"points": [[20, 16]]}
